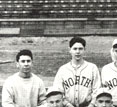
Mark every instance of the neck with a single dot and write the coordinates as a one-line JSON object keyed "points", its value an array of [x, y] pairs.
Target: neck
{"points": [[24, 75], [115, 63], [77, 62]]}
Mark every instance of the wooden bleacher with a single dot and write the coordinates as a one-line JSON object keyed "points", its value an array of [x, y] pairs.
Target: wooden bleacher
{"points": [[35, 17], [58, 8]]}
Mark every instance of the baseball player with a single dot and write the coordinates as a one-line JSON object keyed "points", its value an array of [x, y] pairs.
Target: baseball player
{"points": [[103, 98], [23, 89], [54, 98], [109, 73], [78, 79]]}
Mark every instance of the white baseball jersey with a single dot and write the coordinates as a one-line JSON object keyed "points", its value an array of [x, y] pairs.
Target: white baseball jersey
{"points": [[109, 79], [78, 85]]}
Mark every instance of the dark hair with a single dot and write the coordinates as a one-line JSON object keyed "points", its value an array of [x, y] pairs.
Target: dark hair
{"points": [[53, 93], [115, 46], [24, 52], [104, 94], [77, 39]]}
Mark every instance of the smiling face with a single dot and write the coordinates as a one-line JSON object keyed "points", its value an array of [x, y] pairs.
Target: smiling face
{"points": [[24, 64], [77, 51]]}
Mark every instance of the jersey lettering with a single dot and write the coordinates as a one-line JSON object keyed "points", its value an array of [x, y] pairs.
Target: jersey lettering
{"points": [[111, 83], [78, 80], [70, 81]]}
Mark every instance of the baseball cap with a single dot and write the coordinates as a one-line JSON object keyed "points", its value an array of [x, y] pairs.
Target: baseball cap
{"points": [[53, 91], [103, 92], [114, 44]]}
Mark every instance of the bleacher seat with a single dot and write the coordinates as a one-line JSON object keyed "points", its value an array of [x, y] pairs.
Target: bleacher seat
{"points": [[57, 8]]}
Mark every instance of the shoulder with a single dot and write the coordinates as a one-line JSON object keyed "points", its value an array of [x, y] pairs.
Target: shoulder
{"points": [[37, 78], [90, 64], [108, 66], [64, 67], [92, 68], [11, 79]]}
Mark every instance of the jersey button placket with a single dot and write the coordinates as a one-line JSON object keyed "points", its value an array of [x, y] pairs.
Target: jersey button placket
{"points": [[76, 97]]}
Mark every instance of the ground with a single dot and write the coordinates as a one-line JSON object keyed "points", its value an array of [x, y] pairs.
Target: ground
{"points": [[50, 53]]}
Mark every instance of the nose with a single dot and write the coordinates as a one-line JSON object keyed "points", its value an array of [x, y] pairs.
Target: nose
{"points": [[26, 63], [104, 104], [55, 105], [78, 50]]}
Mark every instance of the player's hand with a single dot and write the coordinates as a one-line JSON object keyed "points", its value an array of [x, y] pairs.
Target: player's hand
{"points": [[91, 105], [69, 105]]}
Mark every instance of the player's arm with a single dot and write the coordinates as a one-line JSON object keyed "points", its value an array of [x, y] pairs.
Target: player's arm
{"points": [[67, 103], [58, 82], [96, 84], [7, 95], [103, 77], [42, 93], [44, 105]]}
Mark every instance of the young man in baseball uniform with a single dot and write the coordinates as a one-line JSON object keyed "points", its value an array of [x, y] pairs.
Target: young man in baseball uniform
{"points": [[78, 79], [23, 89], [104, 98], [109, 73]]}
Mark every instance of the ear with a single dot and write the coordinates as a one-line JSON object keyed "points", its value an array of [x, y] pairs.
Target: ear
{"points": [[84, 48], [111, 102], [17, 64], [69, 49]]}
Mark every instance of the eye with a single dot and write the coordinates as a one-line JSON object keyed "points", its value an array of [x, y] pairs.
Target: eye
{"points": [[51, 102], [58, 101], [108, 101], [28, 60], [100, 101], [80, 48], [23, 61], [75, 48]]}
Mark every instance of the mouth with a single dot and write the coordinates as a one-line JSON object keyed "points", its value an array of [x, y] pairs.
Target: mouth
{"points": [[77, 55], [27, 69]]}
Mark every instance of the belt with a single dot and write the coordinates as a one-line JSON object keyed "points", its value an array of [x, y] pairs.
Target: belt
{"points": [[83, 104]]}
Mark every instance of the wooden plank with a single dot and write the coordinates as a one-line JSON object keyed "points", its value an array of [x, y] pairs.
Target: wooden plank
{"points": [[10, 31]]}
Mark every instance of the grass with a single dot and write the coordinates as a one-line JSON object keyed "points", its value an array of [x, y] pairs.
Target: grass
{"points": [[50, 53]]}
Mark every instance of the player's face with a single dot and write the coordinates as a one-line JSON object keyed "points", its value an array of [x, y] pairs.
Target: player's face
{"points": [[114, 54], [77, 51], [55, 101], [24, 64], [104, 102], [115, 51]]}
